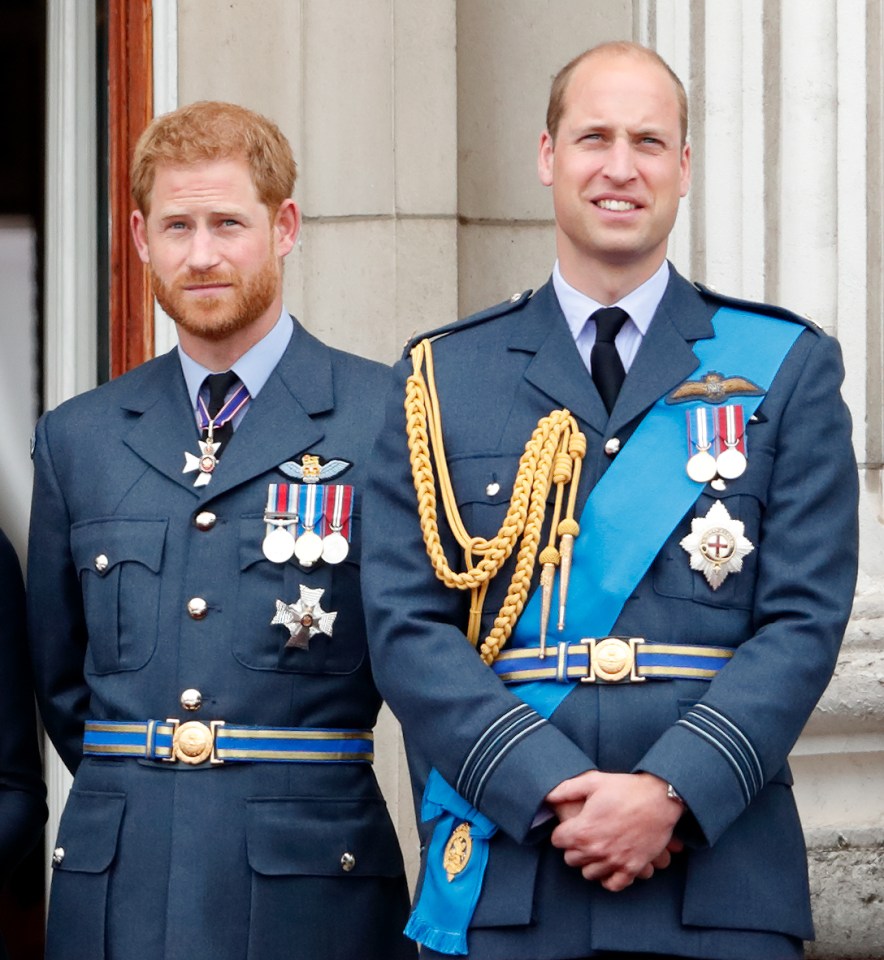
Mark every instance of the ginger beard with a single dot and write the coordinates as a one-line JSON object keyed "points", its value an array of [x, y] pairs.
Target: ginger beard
{"points": [[216, 318]]}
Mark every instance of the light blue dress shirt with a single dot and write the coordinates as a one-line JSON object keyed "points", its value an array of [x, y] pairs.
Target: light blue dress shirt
{"points": [[640, 304], [253, 368]]}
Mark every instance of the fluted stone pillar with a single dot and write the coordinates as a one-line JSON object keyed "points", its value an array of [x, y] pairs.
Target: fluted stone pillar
{"points": [[786, 206]]}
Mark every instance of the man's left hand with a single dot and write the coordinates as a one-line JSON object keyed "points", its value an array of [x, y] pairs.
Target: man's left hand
{"points": [[615, 827]]}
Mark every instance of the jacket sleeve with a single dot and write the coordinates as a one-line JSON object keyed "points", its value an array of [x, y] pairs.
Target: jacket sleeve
{"points": [[56, 622], [22, 794], [722, 752], [498, 753]]}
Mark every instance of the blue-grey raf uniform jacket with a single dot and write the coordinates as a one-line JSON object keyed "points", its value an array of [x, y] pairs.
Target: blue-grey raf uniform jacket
{"points": [[741, 890], [22, 793], [167, 861]]}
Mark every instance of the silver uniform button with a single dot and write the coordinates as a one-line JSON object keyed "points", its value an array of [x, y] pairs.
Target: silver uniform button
{"points": [[197, 608], [515, 297], [191, 699], [57, 856], [492, 489], [205, 520], [101, 563], [612, 446], [348, 862]]}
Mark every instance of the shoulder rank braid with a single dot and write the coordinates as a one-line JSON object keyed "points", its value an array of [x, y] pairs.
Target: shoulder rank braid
{"points": [[553, 454]]}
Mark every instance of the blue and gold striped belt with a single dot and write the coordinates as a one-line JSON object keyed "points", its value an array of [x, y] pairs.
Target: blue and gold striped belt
{"points": [[218, 742], [612, 660]]}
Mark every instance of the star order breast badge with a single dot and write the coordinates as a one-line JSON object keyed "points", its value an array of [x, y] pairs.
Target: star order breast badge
{"points": [[304, 618], [717, 545]]}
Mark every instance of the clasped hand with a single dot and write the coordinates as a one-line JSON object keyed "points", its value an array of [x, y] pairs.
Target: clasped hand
{"points": [[615, 827]]}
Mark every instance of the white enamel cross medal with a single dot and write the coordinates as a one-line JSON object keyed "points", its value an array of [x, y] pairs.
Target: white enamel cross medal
{"points": [[304, 619], [205, 463], [716, 545]]}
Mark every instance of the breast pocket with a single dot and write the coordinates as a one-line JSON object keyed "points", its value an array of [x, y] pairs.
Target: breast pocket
{"points": [[118, 562], [338, 647], [483, 486], [745, 500]]}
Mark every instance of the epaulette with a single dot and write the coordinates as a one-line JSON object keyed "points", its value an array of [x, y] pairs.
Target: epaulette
{"points": [[753, 306], [515, 302]]}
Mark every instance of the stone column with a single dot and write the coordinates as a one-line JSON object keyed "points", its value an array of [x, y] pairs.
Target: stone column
{"points": [[786, 108]]}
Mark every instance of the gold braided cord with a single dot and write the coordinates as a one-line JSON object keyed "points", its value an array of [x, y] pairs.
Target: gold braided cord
{"points": [[554, 440]]}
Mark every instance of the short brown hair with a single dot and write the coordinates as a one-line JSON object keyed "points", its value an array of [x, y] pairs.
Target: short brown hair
{"points": [[556, 106], [211, 130]]}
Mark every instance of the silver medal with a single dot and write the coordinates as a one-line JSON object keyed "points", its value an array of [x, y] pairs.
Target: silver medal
{"points": [[701, 467], [278, 545], [731, 463], [308, 548], [335, 547]]}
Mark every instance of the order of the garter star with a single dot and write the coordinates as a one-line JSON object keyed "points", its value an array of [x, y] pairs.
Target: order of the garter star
{"points": [[716, 545]]}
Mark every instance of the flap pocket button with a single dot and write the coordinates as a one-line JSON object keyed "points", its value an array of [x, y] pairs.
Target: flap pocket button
{"points": [[197, 608], [57, 856], [101, 563], [348, 862]]}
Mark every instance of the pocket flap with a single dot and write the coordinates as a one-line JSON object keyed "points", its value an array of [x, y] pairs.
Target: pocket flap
{"points": [[118, 541], [507, 897], [89, 831], [484, 479], [322, 837]]}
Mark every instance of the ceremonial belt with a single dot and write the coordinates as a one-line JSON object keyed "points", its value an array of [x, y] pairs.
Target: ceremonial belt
{"points": [[612, 660], [218, 742]]}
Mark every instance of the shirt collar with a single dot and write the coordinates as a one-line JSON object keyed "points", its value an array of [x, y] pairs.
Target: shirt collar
{"points": [[253, 367], [641, 304]]}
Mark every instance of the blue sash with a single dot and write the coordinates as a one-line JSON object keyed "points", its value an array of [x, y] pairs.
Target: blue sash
{"points": [[646, 488], [441, 917]]}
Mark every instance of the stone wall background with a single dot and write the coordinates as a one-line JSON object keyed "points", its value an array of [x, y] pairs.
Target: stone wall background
{"points": [[416, 125]]}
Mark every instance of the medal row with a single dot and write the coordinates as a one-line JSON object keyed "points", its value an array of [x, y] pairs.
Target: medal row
{"points": [[716, 443], [310, 522]]}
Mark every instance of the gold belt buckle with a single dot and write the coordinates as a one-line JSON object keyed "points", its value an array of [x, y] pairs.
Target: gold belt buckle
{"points": [[612, 660], [194, 741]]}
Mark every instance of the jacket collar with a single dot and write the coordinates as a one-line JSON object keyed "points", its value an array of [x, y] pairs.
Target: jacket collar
{"points": [[664, 359], [278, 425]]}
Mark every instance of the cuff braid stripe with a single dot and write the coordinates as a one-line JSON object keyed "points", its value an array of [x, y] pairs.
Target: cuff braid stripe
{"points": [[492, 746]]}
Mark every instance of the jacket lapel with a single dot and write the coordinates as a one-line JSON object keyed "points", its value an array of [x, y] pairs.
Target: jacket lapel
{"points": [[166, 426], [664, 359], [557, 368], [666, 356]]}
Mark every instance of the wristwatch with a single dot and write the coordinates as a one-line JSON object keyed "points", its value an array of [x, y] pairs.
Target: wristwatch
{"points": [[673, 794]]}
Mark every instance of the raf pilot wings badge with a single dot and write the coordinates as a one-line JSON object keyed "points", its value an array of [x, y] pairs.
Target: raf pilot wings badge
{"points": [[714, 387]]}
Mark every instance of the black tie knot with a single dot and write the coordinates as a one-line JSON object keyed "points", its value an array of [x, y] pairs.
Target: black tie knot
{"points": [[219, 385], [608, 322]]}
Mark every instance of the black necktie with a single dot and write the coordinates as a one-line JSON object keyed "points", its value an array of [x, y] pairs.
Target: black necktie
{"points": [[607, 367], [219, 385]]}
